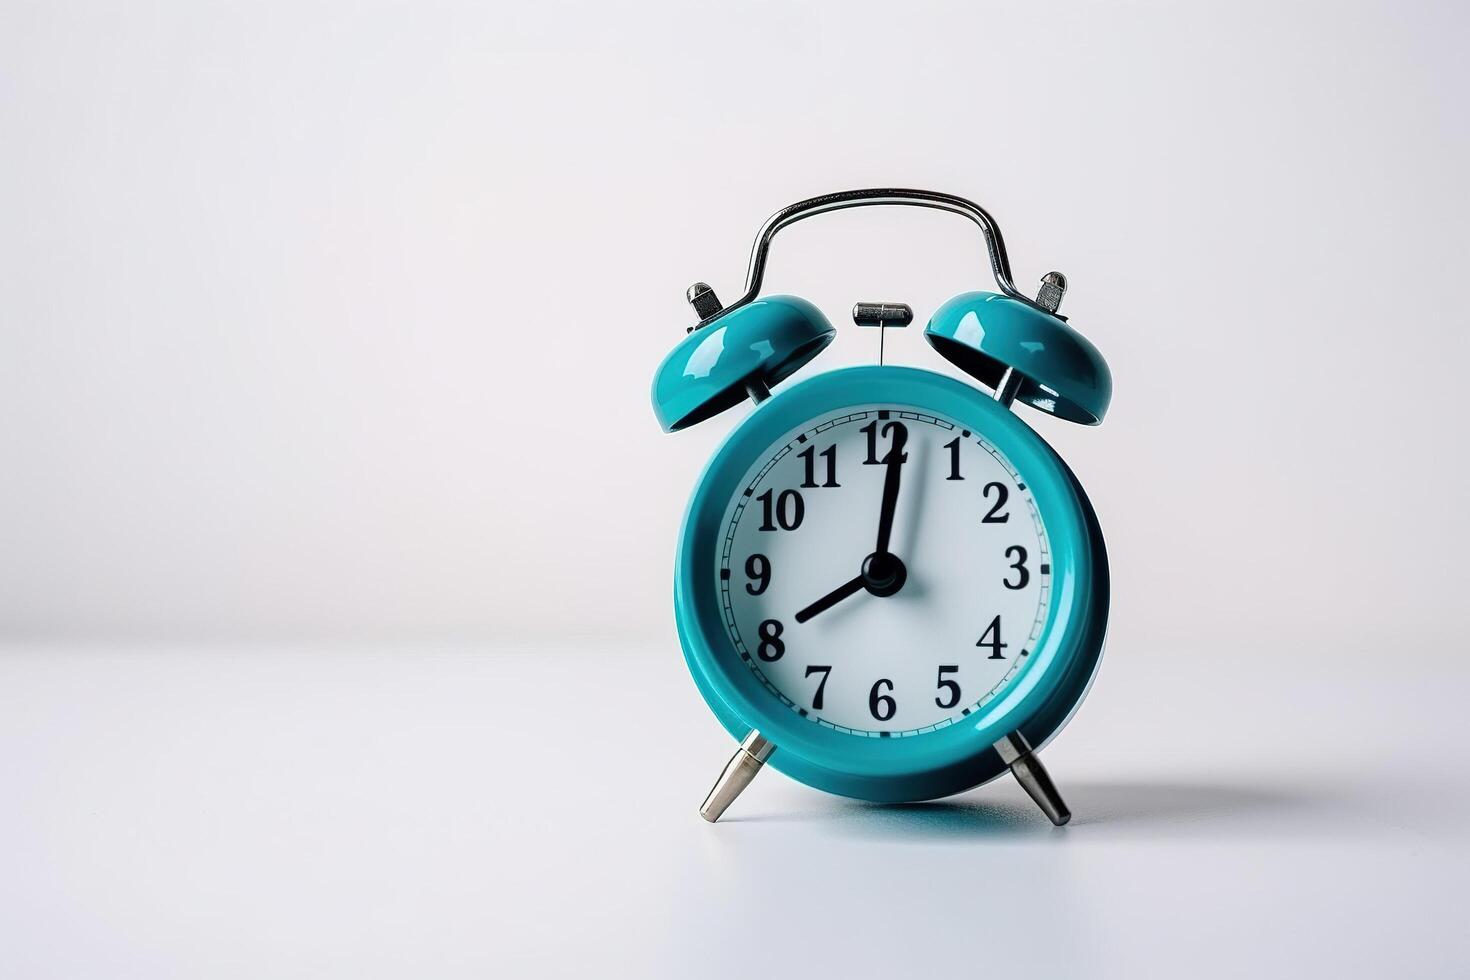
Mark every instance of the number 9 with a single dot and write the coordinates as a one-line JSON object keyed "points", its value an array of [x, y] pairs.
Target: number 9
{"points": [[757, 568]]}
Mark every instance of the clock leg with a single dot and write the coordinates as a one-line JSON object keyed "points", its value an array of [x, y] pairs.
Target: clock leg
{"points": [[1016, 752], [739, 771]]}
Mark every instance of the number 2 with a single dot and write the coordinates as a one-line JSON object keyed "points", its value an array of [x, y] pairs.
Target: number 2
{"points": [[994, 516]]}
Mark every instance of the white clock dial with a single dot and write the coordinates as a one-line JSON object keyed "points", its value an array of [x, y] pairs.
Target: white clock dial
{"points": [[876, 641]]}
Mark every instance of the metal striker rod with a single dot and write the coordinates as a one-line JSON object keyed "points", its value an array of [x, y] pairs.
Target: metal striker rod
{"points": [[757, 389], [1009, 387], [738, 773], [882, 316]]}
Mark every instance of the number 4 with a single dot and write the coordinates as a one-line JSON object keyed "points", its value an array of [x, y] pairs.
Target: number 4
{"points": [[993, 632]]}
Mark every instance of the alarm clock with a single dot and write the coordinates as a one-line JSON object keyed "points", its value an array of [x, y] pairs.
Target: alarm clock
{"points": [[887, 585]]}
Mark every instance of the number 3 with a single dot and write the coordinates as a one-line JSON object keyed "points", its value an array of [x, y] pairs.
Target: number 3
{"points": [[1019, 565]]}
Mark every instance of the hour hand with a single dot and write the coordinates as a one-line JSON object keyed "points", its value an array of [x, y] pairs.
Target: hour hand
{"points": [[832, 598]]}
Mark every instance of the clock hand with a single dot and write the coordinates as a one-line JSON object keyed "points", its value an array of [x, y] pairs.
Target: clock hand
{"points": [[882, 575], [895, 460], [851, 587]]}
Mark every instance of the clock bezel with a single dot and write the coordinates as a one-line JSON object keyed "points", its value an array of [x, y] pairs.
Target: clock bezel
{"points": [[1038, 702]]}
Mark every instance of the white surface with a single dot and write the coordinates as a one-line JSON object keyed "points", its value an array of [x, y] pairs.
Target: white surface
{"points": [[292, 294], [294, 811]]}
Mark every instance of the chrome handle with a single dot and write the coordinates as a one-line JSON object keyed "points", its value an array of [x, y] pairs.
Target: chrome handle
{"points": [[1000, 264]]}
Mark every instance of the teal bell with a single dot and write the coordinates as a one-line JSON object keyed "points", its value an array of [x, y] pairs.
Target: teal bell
{"points": [[1060, 371], [747, 350]]}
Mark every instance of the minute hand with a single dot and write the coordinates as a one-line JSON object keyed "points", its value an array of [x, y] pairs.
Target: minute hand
{"points": [[896, 456]]}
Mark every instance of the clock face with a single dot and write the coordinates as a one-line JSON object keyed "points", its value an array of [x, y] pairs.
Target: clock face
{"points": [[883, 571]]}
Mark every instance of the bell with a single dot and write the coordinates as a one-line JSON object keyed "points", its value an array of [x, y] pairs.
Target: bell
{"points": [[736, 355], [1055, 368]]}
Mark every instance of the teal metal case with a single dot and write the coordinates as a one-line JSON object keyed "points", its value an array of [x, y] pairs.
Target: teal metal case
{"points": [[1038, 703]]}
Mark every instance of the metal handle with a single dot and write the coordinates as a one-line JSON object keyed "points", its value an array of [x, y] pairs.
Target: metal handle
{"points": [[1000, 264]]}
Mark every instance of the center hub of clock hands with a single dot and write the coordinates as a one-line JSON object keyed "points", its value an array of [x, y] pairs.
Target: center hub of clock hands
{"points": [[883, 573]]}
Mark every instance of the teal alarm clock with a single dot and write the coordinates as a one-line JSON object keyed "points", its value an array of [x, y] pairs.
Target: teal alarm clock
{"points": [[887, 585]]}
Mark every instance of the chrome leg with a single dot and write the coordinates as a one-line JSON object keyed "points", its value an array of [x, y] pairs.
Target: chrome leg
{"points": [[739, 771], [1016, 753]]}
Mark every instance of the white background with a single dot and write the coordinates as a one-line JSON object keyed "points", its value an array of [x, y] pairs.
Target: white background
{"points": [[326, 333]]}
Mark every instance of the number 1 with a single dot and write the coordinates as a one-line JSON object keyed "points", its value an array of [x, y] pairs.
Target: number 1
{"points": [[954, 458]]}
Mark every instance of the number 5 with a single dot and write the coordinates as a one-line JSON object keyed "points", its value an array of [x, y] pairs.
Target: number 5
{"points": [[943, 683]]}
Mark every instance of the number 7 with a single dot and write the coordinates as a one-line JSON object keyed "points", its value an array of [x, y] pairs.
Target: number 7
{"points": [[821, 685]]}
